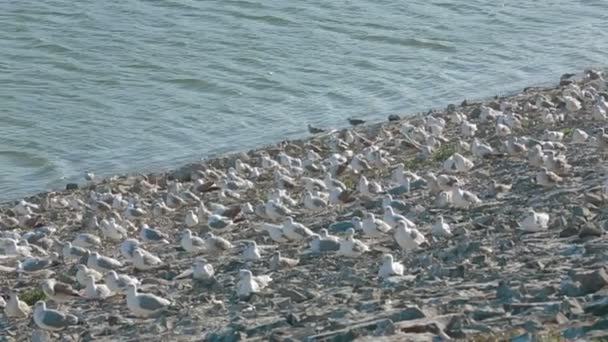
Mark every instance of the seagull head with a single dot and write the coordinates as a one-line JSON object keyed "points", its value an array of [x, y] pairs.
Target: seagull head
{"points": [[387, 258]]}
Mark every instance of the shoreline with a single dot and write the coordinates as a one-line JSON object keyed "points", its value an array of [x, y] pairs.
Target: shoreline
{"points": [[518, 179], [164, 170]]}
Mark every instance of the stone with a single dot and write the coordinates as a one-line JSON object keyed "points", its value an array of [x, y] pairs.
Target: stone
{"points": [[582, 212], [407, 314], [71, 186], [592, 281], [394, 117], [590, 229], [598, 307]]}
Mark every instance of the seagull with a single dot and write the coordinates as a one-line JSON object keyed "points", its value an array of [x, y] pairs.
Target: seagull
{"points": [[279, 262], [118, 283], [216, 244], [534, 221], [441, 229], [219, 222], [374, 227], [464, 199], [409, 239], [102, 263], [202, 270], [144, 304], [49, 319], [251, 251], [16, 308], [69, 251], [127, 248], [191, 243], [388, 200], [392, 219], [31, 264], [249, 284], [96, 291], [319, 245], [152, 235], [144, 260], [276, 232], [481, 150], [294, 230], [579, 136], [276, 211], [83, 272], [389, 267], [191, 219], [312, 202], [547, 178], [468, 129], [86, 240], [326, 236], [112, 230], [367, 188], [556, 163], [59, 292], [351, 247]]}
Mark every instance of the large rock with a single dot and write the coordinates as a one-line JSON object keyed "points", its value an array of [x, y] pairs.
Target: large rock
{"points": [[592, 281]]}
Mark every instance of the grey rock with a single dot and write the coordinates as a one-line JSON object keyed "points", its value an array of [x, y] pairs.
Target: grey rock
{"points": [[71, 186], [592, 281]]}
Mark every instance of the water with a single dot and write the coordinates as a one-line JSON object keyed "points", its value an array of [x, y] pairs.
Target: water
{"points": [[136, 85]]}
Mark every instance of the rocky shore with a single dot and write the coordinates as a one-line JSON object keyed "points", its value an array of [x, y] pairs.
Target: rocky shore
{"points": [[519, 181]]}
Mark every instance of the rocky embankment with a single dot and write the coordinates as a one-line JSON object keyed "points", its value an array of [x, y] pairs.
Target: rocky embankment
{"points": [[497, 232]]}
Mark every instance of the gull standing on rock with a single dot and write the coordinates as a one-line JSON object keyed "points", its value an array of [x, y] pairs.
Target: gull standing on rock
{"points": [[248, 284], [127, 248], [86, 240], [374, 227], [579, 136], [59, 292], [69, 251], [294, 230], [144, 304], [152, 235], [441, 229], [96, 291], [16, 308], [202, 270], [191, 243], [409, 239], [112, 230], [251, 251], [216, 244], [84, 272], [278, 262], [319, 245], [464, 199], [54, 320], [393, 219], [534, 221], [191, 219], [313, 202], [144, 260], [103, 263], [276, 232], [118, 282], [547, 178], [389, 267], [351, 247], [276, 211]]}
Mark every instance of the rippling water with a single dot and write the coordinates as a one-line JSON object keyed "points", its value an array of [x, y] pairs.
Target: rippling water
{"points": [[134, 85]]}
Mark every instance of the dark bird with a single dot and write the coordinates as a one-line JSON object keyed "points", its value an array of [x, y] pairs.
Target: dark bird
{"points": [[355, 122], [314, 130]]}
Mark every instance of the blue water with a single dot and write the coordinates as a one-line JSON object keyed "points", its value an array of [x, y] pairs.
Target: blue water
{"points": [[137, 85]]}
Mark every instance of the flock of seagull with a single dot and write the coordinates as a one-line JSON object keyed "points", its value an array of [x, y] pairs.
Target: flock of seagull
{"points": [[120, 222]]}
